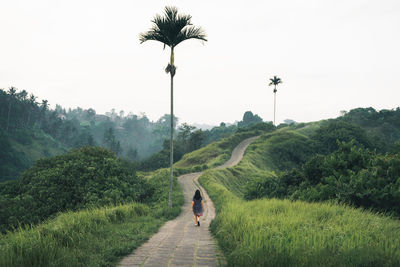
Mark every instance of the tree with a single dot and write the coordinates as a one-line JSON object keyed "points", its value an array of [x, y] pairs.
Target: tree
{"points": [[172, 29], [132, 154], [196, 140], [111, 142], [32, 105], [90, 114], [184, 134], [11, 92], [327, 136], [248, 119], [275, 81], [43, 108]]}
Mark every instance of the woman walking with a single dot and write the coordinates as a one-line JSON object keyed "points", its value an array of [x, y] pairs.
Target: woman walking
{"points": [[197, 207]]}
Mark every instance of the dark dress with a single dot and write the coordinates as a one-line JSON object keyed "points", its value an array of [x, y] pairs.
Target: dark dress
{"points": [[197, 209]]}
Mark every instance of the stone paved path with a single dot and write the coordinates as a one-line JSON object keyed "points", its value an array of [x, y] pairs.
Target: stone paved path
{"points": [[179, 242]]}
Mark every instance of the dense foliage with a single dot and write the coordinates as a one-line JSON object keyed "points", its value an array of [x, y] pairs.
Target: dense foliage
{"points": [[11, 160], [326, 138], [355, 164], [289, 149], [219, 132], [79, 179], [30, 130], [249, 119], [383, 124], [22, 116], [187, 140], [350, 175]]}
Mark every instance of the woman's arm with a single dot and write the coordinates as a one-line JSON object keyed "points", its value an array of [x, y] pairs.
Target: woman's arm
{"points": [[202, 206], [191, 208]]}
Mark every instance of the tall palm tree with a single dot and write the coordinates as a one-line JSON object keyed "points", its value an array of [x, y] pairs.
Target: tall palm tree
{"points": [[275, 81], [171, 29]]}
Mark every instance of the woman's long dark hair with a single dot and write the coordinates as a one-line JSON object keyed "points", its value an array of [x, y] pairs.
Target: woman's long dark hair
{"points": [[197, 194]]}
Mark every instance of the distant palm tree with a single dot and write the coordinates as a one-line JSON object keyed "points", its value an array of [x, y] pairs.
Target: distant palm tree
{"points": [[32, 103], [171, 29], [12, 94], [275, 81]]}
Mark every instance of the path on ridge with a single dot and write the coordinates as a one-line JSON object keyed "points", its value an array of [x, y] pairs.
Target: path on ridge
{"points": [[179, 242]]}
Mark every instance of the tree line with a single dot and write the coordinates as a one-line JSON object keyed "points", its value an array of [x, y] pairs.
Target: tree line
{"points": [[24, 120]]}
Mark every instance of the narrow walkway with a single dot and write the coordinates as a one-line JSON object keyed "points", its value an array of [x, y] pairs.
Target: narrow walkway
{"points": [[179, 242]]}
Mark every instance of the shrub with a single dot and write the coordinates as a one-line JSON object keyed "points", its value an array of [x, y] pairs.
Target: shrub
{"points": [[88, 177]]}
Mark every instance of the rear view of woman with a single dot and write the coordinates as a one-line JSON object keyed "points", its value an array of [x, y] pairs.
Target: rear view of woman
{"points": [[197, 207]]}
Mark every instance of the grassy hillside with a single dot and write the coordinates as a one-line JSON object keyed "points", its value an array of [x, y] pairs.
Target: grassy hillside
{"points": [[217, 153], [86, 238], [271, 232], [340, 161]]}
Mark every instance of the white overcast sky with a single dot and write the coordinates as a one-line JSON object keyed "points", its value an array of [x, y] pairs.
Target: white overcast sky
{"points": [[332, 55]]}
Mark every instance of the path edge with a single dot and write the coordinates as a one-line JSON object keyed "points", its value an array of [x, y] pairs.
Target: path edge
{"points": [[243, 145]]}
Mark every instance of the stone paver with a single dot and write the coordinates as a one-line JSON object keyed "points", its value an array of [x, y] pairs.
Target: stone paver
{"points": [[179, 242]]}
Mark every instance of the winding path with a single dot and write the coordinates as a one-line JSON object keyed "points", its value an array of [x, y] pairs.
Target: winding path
{"points": [[179, 242]]}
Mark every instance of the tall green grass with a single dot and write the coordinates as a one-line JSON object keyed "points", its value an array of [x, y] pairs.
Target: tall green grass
{"points": [[86, 238], [309, 128], [92, 237], [270, 232]]}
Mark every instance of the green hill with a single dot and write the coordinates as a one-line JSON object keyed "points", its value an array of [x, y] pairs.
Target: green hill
{"points": [[273, 232]]}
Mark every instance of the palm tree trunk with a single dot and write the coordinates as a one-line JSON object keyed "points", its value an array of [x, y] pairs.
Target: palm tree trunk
{"points": [[274, 107], [171, 155]]}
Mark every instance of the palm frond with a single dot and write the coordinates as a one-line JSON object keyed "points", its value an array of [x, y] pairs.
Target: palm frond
{"points": [[154, 35], [275, 81], [191, 32], [172, 28]]}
